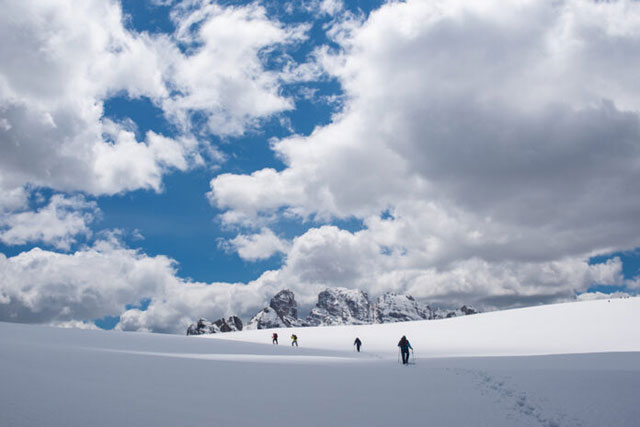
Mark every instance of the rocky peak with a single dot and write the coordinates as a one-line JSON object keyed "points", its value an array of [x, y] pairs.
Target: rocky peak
{"points": [[392, 307], [284, 303], [340, 306], [282, 312], [467, 309], [203, 326]]}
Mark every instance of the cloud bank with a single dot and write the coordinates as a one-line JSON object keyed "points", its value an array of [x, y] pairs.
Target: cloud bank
{"points": [[489, 150]]}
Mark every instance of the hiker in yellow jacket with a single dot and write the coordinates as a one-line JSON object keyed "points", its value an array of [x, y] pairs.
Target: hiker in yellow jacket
{"points": [[294, 340]]}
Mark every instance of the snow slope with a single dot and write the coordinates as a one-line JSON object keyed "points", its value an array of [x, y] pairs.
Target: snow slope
{"points": [[577, 327], [66, 377]]}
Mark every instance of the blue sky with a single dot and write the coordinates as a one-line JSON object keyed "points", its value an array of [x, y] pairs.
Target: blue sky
{"points": [[183, 159]]}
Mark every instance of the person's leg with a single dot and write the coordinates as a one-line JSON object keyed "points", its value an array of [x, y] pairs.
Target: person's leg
{"points": [[405, 357]]}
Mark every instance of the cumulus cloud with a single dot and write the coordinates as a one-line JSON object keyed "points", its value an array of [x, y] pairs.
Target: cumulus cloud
{"points": [[40, 286], [75, 324], [106, 279], [490, 149], [56, 224], [223, 75], [328, 256], [257, 246], [62, 60], [593, 296]]}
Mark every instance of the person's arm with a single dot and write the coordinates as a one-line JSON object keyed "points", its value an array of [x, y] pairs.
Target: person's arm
{"points": [[409, 345]]}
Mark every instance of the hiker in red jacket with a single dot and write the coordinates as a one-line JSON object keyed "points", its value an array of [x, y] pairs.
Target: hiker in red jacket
{"points": [[274, 338]]}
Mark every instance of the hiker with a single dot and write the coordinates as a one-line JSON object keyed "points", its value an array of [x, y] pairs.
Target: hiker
{"points": [[294, 340], [274, 338], [404, 349], [357, 343]]}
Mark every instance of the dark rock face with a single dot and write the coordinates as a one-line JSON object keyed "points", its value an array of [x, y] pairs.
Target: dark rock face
{"points": [[281, 313], [203, 326], [231, 324], [467, 309], [340, 306], [284, 303]]}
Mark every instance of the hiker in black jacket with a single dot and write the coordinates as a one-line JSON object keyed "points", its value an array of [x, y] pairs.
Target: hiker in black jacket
{"points": [[357, 343], [404, 349]]}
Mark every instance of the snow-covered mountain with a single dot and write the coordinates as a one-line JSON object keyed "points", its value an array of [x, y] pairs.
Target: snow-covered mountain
{"points": [[282, 312], [341, 306], [335, 306], [203, 326], [392, 307]]}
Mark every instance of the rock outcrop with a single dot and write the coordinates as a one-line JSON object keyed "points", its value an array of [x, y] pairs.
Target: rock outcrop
{"points": [[392, 307], [465, 310], [282, 312], [340, 306], [336, 306], [203, 326]]}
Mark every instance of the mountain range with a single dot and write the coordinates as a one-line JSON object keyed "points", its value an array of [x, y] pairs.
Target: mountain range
{"points": [[335, 306]]}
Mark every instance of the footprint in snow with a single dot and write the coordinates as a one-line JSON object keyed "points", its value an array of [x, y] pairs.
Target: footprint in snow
{"points": [[520, 404]]}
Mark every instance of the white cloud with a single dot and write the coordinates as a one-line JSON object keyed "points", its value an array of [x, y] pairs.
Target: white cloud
{"points": [[76, 324], [46, 287], [502, 138], [41, 286], [328, 256], [55, 224], [62, 60], [633, 283], [593, 296], [223, 76], [257, 246], [500, 141]]}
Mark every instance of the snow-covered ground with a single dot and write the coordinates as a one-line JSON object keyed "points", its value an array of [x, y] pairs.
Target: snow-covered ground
{"points": [[572, 364]]}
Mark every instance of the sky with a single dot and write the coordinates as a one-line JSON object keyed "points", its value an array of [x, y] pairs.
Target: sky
{"points": [[162, 161]]}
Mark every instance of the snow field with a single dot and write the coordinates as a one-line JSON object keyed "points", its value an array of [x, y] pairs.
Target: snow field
{"points": [[577, 327], [69, 377]]}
